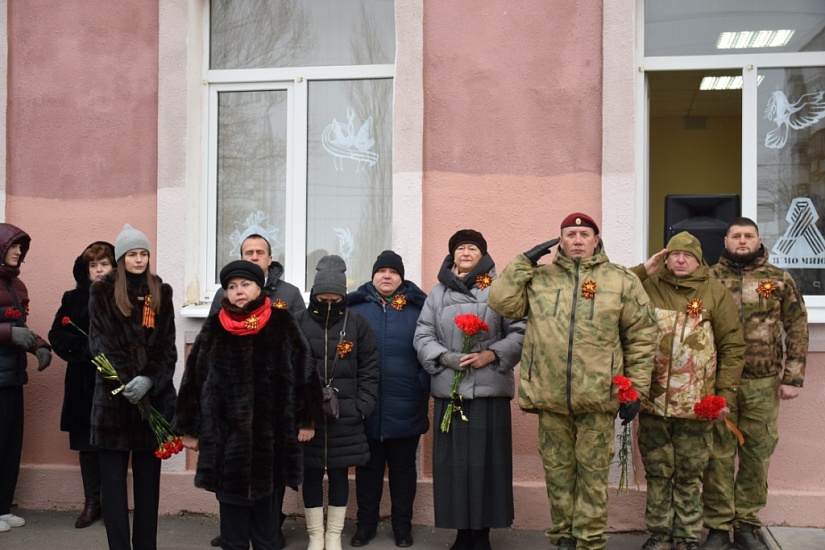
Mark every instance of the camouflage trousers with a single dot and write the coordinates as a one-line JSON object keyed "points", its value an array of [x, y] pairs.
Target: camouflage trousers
{"points": [[576, 452], [675, 453], [730, 501]]}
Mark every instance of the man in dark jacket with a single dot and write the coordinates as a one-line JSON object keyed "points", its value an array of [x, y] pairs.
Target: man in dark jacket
{"points": [[256, 249], [15, 340], [391, 305]]}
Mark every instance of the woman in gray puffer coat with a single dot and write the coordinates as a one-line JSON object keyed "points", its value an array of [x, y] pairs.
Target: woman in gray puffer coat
{"points": [[473, 460]]}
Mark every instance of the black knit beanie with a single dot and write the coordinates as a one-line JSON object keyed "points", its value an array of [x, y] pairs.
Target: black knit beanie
{"points": [[390, 259]]}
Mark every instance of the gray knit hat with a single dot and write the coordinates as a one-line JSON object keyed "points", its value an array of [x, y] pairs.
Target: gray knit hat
{"points": [[130, 239], [330, 276]]}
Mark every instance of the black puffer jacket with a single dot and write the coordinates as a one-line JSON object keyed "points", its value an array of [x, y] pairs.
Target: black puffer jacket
{"points": [[14, 308], [341, 443], [133, 350], [72, 345], [245, 397]]}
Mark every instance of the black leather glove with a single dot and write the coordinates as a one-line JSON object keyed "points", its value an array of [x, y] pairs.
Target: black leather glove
{"points": [[23, 337], [535, 253], [628, 411]]}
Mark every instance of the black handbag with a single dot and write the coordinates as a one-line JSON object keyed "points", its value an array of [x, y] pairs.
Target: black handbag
{"points": [[330, 393]]}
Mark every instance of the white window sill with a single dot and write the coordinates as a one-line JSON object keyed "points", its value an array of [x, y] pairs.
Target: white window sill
{"points": [[196, 311]]}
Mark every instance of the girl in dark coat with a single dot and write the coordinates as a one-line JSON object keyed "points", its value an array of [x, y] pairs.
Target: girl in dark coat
{"points": [[246, 403], [71, 342], [391, 306], [338, 444], [132, 322]]}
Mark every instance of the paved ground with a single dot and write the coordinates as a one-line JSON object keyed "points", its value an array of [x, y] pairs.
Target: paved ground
{"points": [[55, 530]]}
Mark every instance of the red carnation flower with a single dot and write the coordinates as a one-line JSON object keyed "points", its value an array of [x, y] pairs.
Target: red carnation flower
{"points": [[709, 407], [628, 395], [623, 382], [470, 324]]}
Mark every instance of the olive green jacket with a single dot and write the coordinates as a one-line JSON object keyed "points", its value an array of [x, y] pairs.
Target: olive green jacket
{"points": [[574, 344], [779, 307], [699, 353]]}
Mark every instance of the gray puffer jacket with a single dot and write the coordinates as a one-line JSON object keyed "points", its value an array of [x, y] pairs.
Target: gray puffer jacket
{"points": [[436, 333]]}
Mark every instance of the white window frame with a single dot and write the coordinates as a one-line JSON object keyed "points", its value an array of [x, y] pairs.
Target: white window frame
{"points": [[296, 82], [183, 91], [748, 65]]}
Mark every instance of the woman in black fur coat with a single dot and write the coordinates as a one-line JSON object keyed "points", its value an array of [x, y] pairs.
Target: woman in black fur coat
{"points": [[247, 402], [132, 322], [70, 341]]}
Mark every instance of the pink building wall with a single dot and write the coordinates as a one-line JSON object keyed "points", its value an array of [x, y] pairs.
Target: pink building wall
{"points": [[81, 161], [512, 142]]}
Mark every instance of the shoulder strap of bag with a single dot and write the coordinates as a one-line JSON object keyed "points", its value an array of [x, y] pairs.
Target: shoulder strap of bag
{"points": [[340, 339]]}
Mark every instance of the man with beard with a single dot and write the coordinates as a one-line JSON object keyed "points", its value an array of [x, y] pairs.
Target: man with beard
{"points": [[769, 301]]}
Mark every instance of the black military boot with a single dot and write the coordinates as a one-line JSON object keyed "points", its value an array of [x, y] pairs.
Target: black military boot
{"points": [[718, 539], [749, 537]]}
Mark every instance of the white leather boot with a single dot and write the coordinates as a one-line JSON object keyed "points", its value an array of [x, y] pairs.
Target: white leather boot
{"points": [[335, 525], [315, 527]]}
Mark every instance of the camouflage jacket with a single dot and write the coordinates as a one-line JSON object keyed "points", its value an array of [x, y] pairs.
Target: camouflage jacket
{"points": [[769, 301], [698, 354], [577, 341]]}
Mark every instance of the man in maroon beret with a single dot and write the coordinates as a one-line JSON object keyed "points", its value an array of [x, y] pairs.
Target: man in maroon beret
{"points": [[588, 320]]}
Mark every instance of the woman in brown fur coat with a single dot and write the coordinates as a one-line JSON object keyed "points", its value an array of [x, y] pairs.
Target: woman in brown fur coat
{"points": [[247, 402], [132, 322]]}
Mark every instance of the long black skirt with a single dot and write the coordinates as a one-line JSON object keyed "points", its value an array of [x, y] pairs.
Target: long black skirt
{"points": [[473, 466]]}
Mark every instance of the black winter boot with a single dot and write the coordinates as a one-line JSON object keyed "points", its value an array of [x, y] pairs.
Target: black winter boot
{"points": [[463, 540], [749, 537], [718, 539], [481, 539], [90, 473]]}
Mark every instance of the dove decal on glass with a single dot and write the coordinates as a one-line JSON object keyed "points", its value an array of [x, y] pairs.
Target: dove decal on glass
{"points": [[343, 142], [808, 110]]}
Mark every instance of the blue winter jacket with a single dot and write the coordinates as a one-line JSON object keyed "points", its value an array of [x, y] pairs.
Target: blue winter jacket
{"points": [[404, 386]]}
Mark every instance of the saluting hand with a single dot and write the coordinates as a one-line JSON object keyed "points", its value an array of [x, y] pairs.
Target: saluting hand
{"points": [[653, 263]]}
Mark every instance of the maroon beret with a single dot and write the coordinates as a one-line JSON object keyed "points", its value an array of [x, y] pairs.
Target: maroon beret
{"points": [[577, 219]]}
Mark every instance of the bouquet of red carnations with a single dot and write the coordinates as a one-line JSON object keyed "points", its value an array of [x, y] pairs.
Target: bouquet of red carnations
{"points": [[626, 394], [471, 325], [168, 443]]}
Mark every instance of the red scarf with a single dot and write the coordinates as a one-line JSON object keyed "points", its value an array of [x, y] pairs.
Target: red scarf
{"points": [[246, 323]]}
